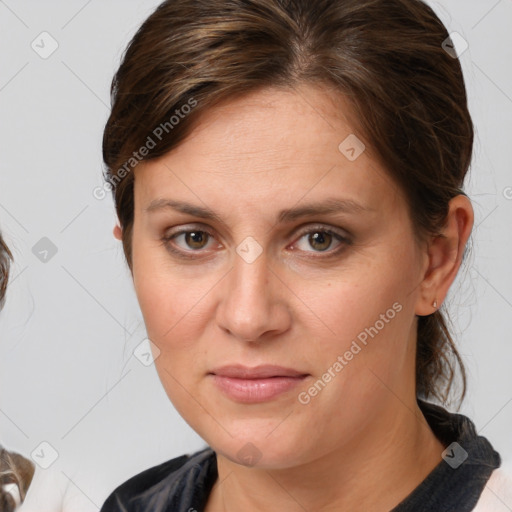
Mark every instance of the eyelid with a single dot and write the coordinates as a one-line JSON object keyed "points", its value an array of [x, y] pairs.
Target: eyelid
{"points": [[187, 228], [323, 227]]}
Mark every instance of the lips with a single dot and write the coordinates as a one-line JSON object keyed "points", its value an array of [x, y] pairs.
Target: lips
{"points": [[258, 372], [255, 385]]}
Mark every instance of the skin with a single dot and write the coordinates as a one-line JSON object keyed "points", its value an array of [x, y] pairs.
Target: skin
{"points": [[294, 306]]}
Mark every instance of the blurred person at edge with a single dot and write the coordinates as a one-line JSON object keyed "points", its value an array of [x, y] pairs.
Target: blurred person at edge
{"points": [[16, 472], [24, 486], [292, 237]]}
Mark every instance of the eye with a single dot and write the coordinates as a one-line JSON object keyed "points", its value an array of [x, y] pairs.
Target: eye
{"points": [[321, 239], [192, 240]]}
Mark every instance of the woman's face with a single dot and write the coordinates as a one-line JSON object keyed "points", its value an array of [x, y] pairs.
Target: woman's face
{"points": [[271, 279]]}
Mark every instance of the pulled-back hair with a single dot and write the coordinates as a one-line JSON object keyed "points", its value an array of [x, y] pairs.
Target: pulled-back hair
{"points": [[385, 56]]}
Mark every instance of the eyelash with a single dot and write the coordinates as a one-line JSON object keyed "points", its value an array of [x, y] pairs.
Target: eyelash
{"points": [[167, 241]]}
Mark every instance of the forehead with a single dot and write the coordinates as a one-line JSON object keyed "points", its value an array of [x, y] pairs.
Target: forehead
{"points": [[277, 120], [268, 147]]}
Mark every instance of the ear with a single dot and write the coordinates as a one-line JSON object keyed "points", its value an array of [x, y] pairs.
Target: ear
{"points": [[117, 232], [444, 253]]}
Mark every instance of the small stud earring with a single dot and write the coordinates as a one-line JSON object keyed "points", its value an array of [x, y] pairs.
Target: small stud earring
{"points": [[434, 305]]}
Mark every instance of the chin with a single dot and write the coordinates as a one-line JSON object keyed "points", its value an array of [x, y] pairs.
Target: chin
{"points": [[256, 448]]}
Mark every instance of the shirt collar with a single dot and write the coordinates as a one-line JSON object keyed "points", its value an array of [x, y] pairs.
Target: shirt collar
{"points": [[457, 482]]}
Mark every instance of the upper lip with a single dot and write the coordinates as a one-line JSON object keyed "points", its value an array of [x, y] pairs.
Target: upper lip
{"points": [[257, 372]]}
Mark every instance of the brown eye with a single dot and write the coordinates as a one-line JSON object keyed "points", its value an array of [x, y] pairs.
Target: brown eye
{"points": [[188, 243], [320, 240], [196, 239]]}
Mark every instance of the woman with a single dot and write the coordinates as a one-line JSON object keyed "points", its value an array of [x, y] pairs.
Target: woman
{"points": [[288, 180], [16, 472]]}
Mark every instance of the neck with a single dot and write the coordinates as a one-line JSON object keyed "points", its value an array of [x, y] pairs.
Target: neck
{"points": [[391, 458]]}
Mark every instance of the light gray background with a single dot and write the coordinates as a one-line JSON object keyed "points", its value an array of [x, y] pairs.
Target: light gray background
{"points": [[70, 325]]}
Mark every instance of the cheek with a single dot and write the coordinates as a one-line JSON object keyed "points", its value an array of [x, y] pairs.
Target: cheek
{"points": [[173, 323], [173, 313], [344, 307], [169, 300], [365, 317], [176, 309], [367, 355]]}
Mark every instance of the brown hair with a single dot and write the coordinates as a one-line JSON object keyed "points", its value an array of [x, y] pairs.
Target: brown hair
{"points": [[14, 469], [385, 56], [5, 257]]}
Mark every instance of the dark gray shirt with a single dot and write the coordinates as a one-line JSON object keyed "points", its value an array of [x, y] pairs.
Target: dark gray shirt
{"points": [[183, 484]]}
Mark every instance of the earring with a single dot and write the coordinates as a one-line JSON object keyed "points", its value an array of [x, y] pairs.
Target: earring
{"points": [[434, 304]]}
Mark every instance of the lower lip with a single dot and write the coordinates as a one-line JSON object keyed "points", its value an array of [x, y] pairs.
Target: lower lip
{"points": [[255, 390]]}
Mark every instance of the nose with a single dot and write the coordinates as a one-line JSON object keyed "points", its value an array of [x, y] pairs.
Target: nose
{"points": [[254, 304]]}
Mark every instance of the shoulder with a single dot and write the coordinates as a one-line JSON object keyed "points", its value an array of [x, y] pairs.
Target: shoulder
{"points": [[152, 485], [497, 493]]}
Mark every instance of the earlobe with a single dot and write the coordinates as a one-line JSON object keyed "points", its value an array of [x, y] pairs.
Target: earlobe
{"points": [[445, 252], [117, 232]]}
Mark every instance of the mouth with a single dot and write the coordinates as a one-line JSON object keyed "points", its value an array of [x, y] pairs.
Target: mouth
{"points": [[258, 384]]}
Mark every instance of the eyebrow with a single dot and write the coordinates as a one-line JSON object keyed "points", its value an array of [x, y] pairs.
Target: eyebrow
{"points": [[326, 206]]}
